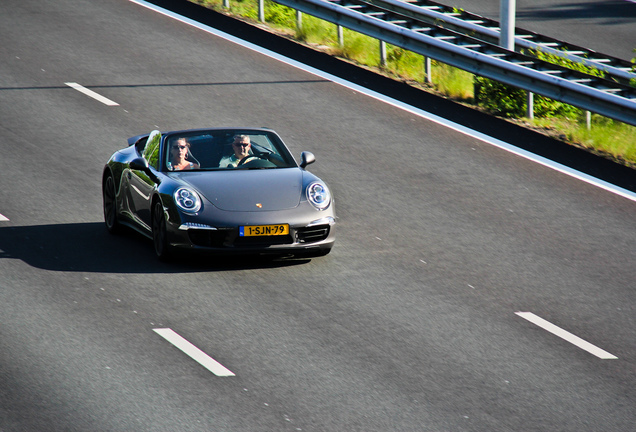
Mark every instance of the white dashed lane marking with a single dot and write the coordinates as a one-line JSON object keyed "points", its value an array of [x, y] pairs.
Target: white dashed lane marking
{"points": [[195, 353], [563, 334], [3, 218], [92, 94]]}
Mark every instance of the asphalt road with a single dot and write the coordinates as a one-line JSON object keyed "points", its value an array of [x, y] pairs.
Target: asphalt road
{"points": [[409, 324], [608, 27]]}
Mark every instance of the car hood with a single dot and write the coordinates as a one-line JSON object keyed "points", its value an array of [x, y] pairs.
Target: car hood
{"points": [[249, 190]]}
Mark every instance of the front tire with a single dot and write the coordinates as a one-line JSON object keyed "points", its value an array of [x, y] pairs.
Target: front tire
{"points": [[159, 232], [109, 196]]}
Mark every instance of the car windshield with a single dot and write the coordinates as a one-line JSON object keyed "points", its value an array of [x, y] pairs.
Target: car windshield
{"points": [[225, 150]]}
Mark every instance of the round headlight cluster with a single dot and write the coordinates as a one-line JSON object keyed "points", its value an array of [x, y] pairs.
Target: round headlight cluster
{"points": [[187, 200], [318, 194]]}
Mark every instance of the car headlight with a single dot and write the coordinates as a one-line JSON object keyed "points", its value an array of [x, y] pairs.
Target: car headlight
{"points": [[187, 200], [318, 195]]}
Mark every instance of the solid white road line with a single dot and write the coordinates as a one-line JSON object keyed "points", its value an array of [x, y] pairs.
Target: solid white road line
{"points": [[3, 218], [195, 353], [546, 325], [416, 111], [92, 94]]}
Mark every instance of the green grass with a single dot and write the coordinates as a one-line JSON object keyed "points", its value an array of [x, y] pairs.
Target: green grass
{"points": [[609, 136], [606, 137], [453, 82]]}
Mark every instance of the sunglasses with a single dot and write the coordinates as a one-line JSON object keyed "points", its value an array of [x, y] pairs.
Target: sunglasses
{"points": [[241, 144], [177, 147]]}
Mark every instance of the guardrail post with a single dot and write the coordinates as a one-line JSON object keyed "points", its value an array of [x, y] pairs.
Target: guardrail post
{"points": [[507, 24], [340, 36], [530, 108], [427, 70], [226, 4], [507, 12], [588, 120], [261, 10], [299, 21], [382, 54]]}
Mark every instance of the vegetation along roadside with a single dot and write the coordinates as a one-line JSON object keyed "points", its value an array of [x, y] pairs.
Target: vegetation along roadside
{"points": [[600, 135]]}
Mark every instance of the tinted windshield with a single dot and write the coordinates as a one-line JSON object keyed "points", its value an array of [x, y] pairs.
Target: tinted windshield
{"points": [[223, 149]]}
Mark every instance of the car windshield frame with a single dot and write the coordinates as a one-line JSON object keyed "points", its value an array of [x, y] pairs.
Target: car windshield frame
{"points": [[207, 147]]}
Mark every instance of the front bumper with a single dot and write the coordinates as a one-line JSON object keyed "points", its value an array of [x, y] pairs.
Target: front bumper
{"points": [[315, 236]]}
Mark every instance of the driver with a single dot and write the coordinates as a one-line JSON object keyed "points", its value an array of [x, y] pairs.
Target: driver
{"points": [[241, 147]]}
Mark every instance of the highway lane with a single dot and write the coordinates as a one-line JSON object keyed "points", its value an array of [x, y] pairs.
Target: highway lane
{"points": [[608, 27], [408, 325]]}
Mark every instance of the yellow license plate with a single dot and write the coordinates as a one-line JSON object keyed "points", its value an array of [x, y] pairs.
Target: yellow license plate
{"points": [[263, 230]]}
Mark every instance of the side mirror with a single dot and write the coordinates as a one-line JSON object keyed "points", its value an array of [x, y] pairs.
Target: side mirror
{"points": [[141, 164], [306, 158]]}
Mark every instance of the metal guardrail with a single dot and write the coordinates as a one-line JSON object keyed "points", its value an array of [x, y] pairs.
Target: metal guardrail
{"points": [[606, 97], [488, 30]]}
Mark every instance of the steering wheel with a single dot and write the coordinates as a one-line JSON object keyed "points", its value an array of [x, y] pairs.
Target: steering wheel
{"points": [[247, 158]]}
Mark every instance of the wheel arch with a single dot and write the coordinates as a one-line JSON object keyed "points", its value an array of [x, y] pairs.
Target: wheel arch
{"points": [[108, 170], [153, 201], [156, 197]]}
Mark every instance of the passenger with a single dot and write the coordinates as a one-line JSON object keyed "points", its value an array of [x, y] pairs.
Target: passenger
{"points": [[179, 152], [241, 147]]}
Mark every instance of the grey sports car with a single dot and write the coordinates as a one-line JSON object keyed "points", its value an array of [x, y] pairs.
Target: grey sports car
{"points": [[222, 190]]}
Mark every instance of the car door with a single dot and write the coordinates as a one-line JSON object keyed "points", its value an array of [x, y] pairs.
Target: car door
{"points": [[141, 185]]}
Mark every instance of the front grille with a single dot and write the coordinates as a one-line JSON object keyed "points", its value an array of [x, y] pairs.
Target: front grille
{"points": [[208, 238], [312, 234], [262, 241], [228, 238]]}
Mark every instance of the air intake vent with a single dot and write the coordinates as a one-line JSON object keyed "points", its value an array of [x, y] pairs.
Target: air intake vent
{"points": [[312, 234]]}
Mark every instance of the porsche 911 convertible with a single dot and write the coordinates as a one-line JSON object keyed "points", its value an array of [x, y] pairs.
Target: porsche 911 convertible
{"points": [[223, 190]]}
